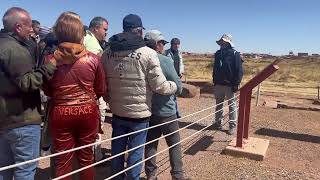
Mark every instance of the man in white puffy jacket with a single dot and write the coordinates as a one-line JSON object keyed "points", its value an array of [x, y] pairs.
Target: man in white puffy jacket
{"points": [[133, 72]]}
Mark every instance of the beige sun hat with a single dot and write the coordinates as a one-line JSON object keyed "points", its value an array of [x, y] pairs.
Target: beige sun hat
{"points": [[226, 38]]}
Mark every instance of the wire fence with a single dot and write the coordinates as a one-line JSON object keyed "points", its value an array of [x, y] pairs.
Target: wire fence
{"points": [[128, 134], [106, 140], [188, 137], [125, 152]]}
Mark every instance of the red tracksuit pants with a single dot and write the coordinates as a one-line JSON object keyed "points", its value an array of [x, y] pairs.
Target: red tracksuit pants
{"points": [[71, 127]]}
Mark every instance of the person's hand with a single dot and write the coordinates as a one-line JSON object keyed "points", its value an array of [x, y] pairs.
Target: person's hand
{"points": [[51, 59], [234, 89], [100, 54]]}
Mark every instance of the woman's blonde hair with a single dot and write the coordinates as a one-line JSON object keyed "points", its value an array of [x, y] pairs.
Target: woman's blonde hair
{"points": [[69, 28]]}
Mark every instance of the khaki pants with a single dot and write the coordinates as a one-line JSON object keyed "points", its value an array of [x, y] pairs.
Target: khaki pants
{"points": [[221, 94]]}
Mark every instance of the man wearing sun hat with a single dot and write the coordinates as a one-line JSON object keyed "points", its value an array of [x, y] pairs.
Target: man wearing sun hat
{"points": [[227, 75]]}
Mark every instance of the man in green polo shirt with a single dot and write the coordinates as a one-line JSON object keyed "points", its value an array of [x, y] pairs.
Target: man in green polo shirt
{"points": [[94, 36], [97, 33]]}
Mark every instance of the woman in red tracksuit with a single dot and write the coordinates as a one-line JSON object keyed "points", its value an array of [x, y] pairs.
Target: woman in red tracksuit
{"points": [[77, 83]]}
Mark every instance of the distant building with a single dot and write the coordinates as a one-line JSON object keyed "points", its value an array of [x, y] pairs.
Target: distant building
{"points": [[185, 53], [316, 55], [303, 54], [291, 53], [256, 56]]}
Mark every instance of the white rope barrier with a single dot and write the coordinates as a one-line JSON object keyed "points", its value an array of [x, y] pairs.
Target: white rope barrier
{"points": [[149, 142], [125, 170], [106, 140]]}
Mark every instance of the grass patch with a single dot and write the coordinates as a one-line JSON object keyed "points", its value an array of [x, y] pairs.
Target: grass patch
{"points": [[304, 72], [297, 70]]}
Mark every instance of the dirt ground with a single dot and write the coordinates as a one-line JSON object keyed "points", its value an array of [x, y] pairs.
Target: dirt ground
{"points": [[293, 153]]}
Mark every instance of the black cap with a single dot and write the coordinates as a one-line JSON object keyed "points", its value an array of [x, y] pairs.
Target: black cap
{"points": [[175, 41], [51, 40], [131, 21]]}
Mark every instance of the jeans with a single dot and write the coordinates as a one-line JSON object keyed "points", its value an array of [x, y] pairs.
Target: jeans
{"points": [[174, 152], [120, 127], [19, 145], [221, 93]]}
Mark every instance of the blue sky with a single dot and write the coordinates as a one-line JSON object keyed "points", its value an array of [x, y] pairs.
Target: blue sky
{"points": [[265, 26]]}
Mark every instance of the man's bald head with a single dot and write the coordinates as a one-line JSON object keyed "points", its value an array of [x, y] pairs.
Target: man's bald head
{"points": [[12, 16], [17, 20]]}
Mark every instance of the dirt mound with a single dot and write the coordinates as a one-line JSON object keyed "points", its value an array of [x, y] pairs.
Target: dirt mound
{"points": [[190, 91]]}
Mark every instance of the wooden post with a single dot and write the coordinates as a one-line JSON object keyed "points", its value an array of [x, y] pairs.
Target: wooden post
{"points": [[318, 92], [245, 100], [247, 115], [258, 95], [241, 117]]}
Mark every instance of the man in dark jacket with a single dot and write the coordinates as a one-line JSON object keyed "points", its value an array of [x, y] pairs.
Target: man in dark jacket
{"points": [[175, 54], [19, 96], [227, 75]]}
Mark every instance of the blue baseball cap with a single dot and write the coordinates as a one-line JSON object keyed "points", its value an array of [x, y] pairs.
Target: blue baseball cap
{"points": [[131, 21]]}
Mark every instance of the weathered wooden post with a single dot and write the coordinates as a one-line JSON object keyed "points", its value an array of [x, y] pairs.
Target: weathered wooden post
{"points": [[318, 92], [258, 95], [243, 145]]}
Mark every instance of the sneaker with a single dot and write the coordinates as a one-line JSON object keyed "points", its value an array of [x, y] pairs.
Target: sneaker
{"points": [[217, 126], [232, 131]]}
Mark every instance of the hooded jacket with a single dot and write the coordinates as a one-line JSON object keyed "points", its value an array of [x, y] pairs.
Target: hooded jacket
{"points": [[20, 82], [79, 79], [133, 72]]}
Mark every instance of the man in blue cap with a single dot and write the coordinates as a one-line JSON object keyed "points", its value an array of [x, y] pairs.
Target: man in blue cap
{"points": [[133, 72]]}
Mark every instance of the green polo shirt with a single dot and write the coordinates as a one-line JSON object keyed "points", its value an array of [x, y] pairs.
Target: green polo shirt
{"points": [[91, 43]]}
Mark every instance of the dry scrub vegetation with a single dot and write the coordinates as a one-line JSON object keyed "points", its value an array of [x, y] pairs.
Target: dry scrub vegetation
{"points": [[295, 75]]}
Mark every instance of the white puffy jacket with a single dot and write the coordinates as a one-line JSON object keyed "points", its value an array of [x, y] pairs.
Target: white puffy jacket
{"points": [[132, 76]]}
